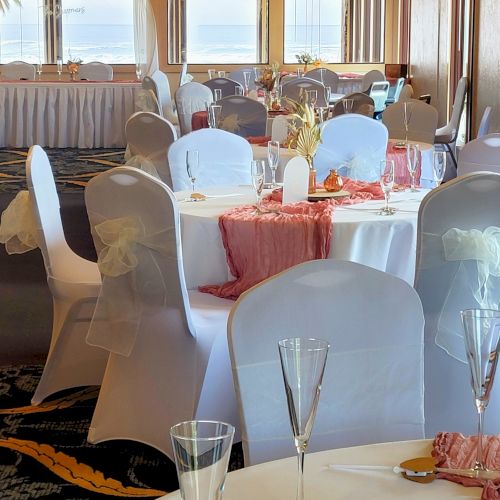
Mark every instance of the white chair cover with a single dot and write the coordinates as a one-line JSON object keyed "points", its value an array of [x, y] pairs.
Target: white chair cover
{"points": [[359, 310], [296, 180], [446, 286], [406, 93], [379, 92], [96, 71], [148, 137], [279, 128], [480, 154], [362, 104], [224, 159], [287, 78], [189, 99], [448, 133], [422, 124], [326, 76], [484, 126], [169, 359], [372, 76], [158, 83], [237, 76], [146, 101], [293, 89], [354, 140], [226, 85], [243, 116], [74, 283], [18, 70]]}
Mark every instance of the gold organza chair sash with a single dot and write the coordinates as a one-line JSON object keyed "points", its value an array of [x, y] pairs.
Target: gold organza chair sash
{"points": [[143, 163]]}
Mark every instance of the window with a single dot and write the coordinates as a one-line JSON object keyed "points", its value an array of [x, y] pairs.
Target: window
{"points": [[222, 31]]}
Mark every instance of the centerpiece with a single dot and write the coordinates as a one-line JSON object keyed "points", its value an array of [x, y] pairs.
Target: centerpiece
{"points": [[73, 66], [305, 58], [267, 82]]}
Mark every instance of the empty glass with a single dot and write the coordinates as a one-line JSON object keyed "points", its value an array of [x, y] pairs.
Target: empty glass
{"points": [[59, 68], [438, 166], [201, 452], [221, 74], [322, 75], [303, 363], [217, 94], [300, 72], [328, 94], [407, 111], [238, 90], [348, 105], [39, 68], [192, 164], [258, 74], [214, 113], [257, 172], [412, 153], [312, 97], [246, 78], [387, 184], [273, 155], [212, 73]]}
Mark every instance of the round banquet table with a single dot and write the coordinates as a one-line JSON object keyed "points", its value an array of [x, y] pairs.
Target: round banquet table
{"points": [[387, 243], [277, 480]]}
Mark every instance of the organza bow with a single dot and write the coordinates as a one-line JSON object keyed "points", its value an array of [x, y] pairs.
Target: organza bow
{"points": [[363, 167], [146, 101], [18, 229], [143, 163]]}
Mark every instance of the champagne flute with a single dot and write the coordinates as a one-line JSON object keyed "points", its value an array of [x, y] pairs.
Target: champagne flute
{"points": [[217, 94], [348, 105], [438, 166], [387, 184], [212, 73], [312, 97], [257, 172], [407, 112], [59, 68], [138, 71], [482, 346], [39, 68], [221, 74], [246, 78], [192, 164], [300, 73], [412, 163], [214, 113], [273, 155], [303, 363]]}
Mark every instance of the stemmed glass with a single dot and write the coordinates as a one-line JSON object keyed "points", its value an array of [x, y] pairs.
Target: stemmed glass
{"points": [[257, 172], [348, 105], [481, 336], [246, 78], [192, 163], [221, 74], [217, 94], [212, 73], [273, 155], [214, 113], [39, 68], [303, 363], [438, 166], [59, 68], [412, 163], [138, 71], [312, 97], [238, 90], [387, 184], [300, 72], [407, 111]]}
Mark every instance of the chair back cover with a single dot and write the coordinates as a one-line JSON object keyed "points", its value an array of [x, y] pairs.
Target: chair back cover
{"points": [[96, 71], [466, 203], [238, 76], [406, 93], [482, 154], [458, 104], [354, 145], [362, 104], [189, 99], [279, 128], [183, 74], [226, 85], [294, 89], [158, 83], [18, 70], [326, 76], [243, 116], [359, 311], [422, 124], [484, 126], [296, 180], [379, 92], [372, 76], [224, 159], [148, 137]]}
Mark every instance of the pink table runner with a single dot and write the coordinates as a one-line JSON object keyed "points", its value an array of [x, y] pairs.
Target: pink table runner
{"points": [[401, 174]]}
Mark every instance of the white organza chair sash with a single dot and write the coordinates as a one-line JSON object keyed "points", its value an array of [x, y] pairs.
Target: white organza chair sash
{"points": [[362, 167], [146, 101], [143, 163], [474, 284], [126, 295], [18, 229]]}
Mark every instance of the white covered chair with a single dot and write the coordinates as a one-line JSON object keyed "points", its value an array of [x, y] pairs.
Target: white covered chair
{"points": [[326, 76], [74, 283], [237, 76], [468, 203], [481, 154], [189, 99], [362, 104], [169, 359], [158, 83], [243, 116], [294, 88], [226, 85], [148, 138], [372, 76], [280, 128], [96, 71], [18, 70], [224, 159], [406, 93], [353, 142], [379, 92], [372, 388], [484, 125], [422, 124]]}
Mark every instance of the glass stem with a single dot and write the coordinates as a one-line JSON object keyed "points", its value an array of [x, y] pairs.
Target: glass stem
{"points": [[273, 177], [406, 133], [479, 456], [386, 197], [412, 177], [300, 476], [192, 183]]}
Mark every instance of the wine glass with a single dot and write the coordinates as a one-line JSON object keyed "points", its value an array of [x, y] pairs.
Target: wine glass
{"points": [[412, 163], [59, 68], [212, 73], [39, 68], [192, 164], [273, 155], [300, 72], [246, 78], [348, 105], [322, 75], [221, 74], [407, 112], [438, 166], [257, 171], [138, 71], [217, 94], [303, 363], [312, 97], [238, 90], [214, 113], [481, 336], [387, 184]]}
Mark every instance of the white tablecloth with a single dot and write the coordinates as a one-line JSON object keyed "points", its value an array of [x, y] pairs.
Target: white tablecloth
{"points": [[387, 243], [66, 114], [277, 480]]}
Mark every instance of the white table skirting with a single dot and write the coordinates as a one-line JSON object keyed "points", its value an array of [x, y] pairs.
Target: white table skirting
{"points": [[61, 115]]}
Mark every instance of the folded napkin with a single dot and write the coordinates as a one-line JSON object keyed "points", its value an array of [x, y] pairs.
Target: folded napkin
{"points": [[453, 450], [260, 246]]}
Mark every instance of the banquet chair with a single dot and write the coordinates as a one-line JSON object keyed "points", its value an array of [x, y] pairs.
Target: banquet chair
{"points": [[148, 138], [379, 92], [395, 91], [158, 83], [326, 76], [353, 144], [280, 128], [243, 116], [74, 284], [484, 125], [287, 78], [469, 203], [422, 124], [448, 134], [168, 354], [481, 154], [294, 89], [237, 76], [406, 93], [96, 71], [372, 76], [372, 389], [226, 85], [224, 159], [189, 99], [18, 70], [362, 104]]}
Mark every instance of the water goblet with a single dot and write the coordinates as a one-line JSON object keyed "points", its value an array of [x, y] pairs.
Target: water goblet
{"points": [[438, 166], [238, 90], [192, 163], [138, 71], [273, 156], [214, 114], [39, 68], [407, 112], [246, 78], [257, 171], [482, 346], [348, 105], [322, 75], [212, 73], [303, 363], [412, 151], [59, 68], [201, 452], [387, 184], [217, 94]]}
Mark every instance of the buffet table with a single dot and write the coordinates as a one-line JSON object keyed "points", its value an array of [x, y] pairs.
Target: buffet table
{"points": [[64, 114]]}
